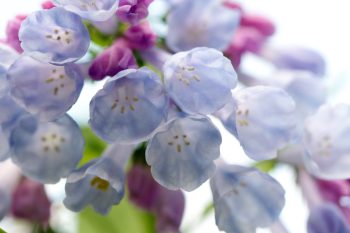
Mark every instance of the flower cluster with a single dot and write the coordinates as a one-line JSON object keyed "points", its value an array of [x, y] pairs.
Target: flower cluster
{"points": [[161, 96]]}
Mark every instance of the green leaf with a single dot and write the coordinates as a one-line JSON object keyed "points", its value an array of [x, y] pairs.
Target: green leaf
{"points": [[2, 231], [94, 146], [266, 166], [124, 217]]}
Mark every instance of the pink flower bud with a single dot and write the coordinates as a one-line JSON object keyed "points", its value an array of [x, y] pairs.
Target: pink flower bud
{"points": [[265, 26], [12, 32], [47, 5], [116, 58], [140, 36]]}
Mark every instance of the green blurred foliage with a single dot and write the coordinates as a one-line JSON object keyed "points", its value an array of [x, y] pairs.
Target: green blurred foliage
{"points": [[123, 218], [266, 166], [94, 146], [2, 231]]}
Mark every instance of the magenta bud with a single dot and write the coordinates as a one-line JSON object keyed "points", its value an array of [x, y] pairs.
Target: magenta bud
{"points": [[30, 202], [333, 190], [12, 32], [133, 11], [116, 58], [143, 189], [47, 5], [140, 36], [233, 5], [265, 26]]}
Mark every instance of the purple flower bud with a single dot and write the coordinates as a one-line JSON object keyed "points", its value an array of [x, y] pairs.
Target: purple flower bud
{"points": [[116, 58], [333, 190], [140, 36], [30, 202], [143, 189], [133, 11], [47, 5], [265, 26], [12, 32]]}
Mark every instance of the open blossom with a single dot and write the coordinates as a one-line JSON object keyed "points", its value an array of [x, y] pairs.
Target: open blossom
{"points": [[46, 151], [96, 10], [114, 59], [181, 153], [245, 198], [56, 36], [133, 11], [44, 90], [130, 106], [196, 23], [199, 80]]}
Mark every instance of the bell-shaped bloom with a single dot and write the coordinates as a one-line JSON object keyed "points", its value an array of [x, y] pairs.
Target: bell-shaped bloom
{"points": [[7, 56], [265, 120], [99, 183], [199, 80], [133, 11], [12, 30], [46, 91], [327, 218], [130, 106], [181, 153], [245, 198], [46, 151], [140, 36], [56, 36], [30, 202], [295, 58], [111, 61], [196, 23], [96, 10], [326, 136]]}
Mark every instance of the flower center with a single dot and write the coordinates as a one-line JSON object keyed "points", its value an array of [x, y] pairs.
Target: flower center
{"points": [[60, 35], [242, 114], [57, 79], [52, 142], [185, 74], [179, 142], [99, 184], [124, 100]]}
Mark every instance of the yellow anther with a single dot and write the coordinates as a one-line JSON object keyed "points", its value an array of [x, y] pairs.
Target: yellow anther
{"points": [[99, 184]]}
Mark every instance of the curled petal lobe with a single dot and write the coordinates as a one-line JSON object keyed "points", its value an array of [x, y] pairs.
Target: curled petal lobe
{"points": [[245, 198], [56, 36], [46, 151], [265, 120], [130, 106], [199, 80], [44, 90], [325, 140], [181, 153]]}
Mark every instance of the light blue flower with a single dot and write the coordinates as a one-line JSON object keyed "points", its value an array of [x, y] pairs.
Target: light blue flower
{"points": [[46, 91], [245, 198], [5, 203], [130, 106], [196, 23], [94, 10], [56, 36], [99, 183], [326, 141], [227, 116], [265, 120], [7, 56], [46, 151], [181, 153], [199, 80], [4, 86]]}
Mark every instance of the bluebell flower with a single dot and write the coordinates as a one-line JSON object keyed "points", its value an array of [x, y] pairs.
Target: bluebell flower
{"points": [[245, 198], [199, 80], [94, 10], [196, 23], [56, 36], [4, 86], [46, 91], [181, 153], [7, 56], [265, 120], [46, 151], [326, 135], [99, 183], [130, 106], [5, 203], [327, 218]]}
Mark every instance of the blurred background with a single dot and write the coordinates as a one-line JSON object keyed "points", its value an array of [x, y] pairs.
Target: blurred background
{"points": [[319, 25]]}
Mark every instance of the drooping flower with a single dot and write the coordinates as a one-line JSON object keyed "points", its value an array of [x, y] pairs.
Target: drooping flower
{"points": [[325, 219], [181, 153], [46, 91], [130, 106], [326, 136], [12, 30], [99, 183], [46, 151], [199, 80], [245, 198], [133, 11], [116, 58], [56, 36], [30, 202], [94, 10], [196, 23]]}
